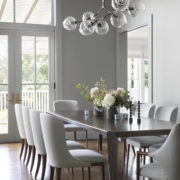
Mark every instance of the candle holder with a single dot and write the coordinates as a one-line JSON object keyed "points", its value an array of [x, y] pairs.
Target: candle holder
{"points": [[139, 113], [130, 112]]}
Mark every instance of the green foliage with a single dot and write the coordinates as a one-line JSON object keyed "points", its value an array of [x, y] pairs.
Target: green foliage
{"points": [[84, 90]]}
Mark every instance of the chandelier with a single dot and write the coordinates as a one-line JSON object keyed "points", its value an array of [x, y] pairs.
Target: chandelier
{"points": [[96, 22]]}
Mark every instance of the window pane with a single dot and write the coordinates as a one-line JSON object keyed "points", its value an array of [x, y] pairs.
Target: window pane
{"points": [[3, 59], [42, 98], [40, 12], [3, 109], [6, 11], [28, 92], [22, 9], [42, 56], [28, 62]]}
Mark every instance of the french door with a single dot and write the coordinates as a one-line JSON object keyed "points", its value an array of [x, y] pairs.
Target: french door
{"points": [[26, 75]]}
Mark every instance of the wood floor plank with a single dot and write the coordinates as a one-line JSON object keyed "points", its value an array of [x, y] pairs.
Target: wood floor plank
{"points": [[13, 168]]}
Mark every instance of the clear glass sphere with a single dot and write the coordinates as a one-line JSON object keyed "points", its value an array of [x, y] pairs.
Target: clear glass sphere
{"points": [[102, 27], [69, 23], [86, 31], [120, 5], [136, 7], [118, 19], [87, 18]]}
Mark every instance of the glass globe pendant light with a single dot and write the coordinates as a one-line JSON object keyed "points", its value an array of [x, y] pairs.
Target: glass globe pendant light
{"points": [[136, 7], [86, 31], [101, 27], [70, 23], [118, 19], [96, 22]]}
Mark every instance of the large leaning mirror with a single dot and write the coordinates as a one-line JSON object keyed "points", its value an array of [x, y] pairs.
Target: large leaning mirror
{"points": [[138, 65]]}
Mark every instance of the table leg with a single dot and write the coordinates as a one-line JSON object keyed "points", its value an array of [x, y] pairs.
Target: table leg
{"points": [[112, 144]]}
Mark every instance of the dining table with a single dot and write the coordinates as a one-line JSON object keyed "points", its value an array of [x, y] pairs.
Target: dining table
{"points": [[114, 129]]}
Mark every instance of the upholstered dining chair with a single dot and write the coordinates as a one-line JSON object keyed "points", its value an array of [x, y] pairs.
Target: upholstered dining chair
{"points": [[20, 124], [167, 113], [65, 105], [147, 111], [29, 136], [39, 141], [57, 153], [167, 159]]}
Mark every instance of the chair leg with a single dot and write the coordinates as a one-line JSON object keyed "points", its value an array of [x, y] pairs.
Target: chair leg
{"points": [[75, 136], [51, 172], [86, 139], [82, 173], [125, 150], [144, 159], [29, 155], [128, 154], [22, 147], [151, 159], [33, 157], [38, 165], [133, 149], [89, 173], [58, 173], [25, 152], [100, 139], [138, 167], [43, 166], [103, 172]]}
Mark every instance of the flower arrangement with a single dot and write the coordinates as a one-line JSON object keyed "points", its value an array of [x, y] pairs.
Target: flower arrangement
{"points": [[116, 98], [95, 94]]}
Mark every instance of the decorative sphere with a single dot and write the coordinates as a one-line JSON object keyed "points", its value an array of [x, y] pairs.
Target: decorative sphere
{"points": [[69, 23], [120, 5], [102, 27], [86, 31], [118, 19], [88, 18]]}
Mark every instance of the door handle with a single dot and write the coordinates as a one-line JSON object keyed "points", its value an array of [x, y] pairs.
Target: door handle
{"points": [[18, 100], [12, 99]]}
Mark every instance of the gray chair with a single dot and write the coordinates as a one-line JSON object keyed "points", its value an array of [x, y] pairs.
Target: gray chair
{"points": [[57, 153], [147, 111], [39, 141], [29, 136], [167, 159], [166, 113], [66, 105], [20, 124]]}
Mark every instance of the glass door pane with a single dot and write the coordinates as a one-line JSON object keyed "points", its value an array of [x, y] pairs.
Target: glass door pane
{"points": [[35, 72], [3, 84]]}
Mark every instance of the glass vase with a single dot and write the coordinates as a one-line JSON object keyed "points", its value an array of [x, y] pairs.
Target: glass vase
{"points": [[98, 111], [110, 112]]}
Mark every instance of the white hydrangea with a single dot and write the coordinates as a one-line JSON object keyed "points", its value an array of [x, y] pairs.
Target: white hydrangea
{"points": [[94, 91], [120, 89], [108, 100]]}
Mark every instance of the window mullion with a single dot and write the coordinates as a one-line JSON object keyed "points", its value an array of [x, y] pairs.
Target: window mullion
{"points": [[35, 71]]}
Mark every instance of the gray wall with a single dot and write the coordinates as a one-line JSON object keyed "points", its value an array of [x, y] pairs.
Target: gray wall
{"points": [[85, 59], [166, 38]]}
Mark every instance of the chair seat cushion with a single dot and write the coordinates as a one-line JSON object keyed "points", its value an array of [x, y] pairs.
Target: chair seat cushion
{"points": [[153, 171], [88, 156], [73, 127], [144, 141], [155, 147], [74, 145]]}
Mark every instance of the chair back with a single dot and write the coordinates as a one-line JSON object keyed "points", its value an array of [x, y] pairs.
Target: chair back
{"points": [[27, 125], [19, 119], [65, 105], [37, 131], [166, 113], [55, 144], [168, 155]]}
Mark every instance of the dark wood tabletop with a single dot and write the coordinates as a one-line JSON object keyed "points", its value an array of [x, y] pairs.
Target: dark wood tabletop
{"points": [[120, 127], [114, 129]]}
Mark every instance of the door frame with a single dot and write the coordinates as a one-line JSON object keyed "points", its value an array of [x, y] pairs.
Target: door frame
{"points": [[51, 70]]}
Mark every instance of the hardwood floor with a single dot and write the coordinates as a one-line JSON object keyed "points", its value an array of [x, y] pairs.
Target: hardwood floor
{"points": [[12, 168]]}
